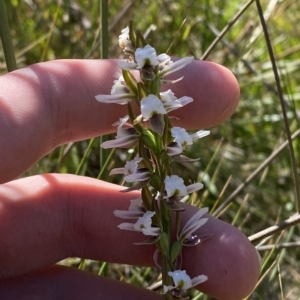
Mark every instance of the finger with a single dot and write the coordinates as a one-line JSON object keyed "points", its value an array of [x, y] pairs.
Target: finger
{"points": [[58, 282], [66, 215], [48, 104]]}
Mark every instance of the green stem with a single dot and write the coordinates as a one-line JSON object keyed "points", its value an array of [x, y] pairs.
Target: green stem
{"points": [[7, 45], [166, 261], [81, 264], [84, 156], [102, 269], [104, 35], [104, 167]]}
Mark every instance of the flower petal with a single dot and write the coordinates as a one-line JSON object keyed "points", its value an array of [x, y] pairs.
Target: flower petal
{"points": [[181, 279], [174, 186], [175, 66], [181, 136], [199, 279], [184, 159], [146, 55], [116, 98], [126, 226], [124, 65], [157, 124], [199, 134], [137, 186], [124, 142], [194, 187], [174, 149], [197, 216], [125, 214], [139, 175], [193, 227], [116, 171], [150, 106]]}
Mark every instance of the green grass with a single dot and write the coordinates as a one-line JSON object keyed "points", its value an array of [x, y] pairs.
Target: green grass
{"points": [[44, 30]]}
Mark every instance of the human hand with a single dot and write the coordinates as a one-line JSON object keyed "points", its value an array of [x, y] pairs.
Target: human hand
{"points": [[46, 218]]}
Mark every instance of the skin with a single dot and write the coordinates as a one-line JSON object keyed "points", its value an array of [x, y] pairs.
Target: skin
{"points": [[46, 218]]}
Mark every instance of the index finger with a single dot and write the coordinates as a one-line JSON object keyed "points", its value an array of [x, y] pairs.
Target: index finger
{"points": [[48, 104]]}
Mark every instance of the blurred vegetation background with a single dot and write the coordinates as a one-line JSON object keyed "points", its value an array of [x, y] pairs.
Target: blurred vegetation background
{"points": [[44, 30]]}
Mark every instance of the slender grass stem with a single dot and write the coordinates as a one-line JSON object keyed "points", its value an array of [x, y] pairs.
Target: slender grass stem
{"points": [[7, 45], [226, 29], [103, 168], [232, 196], [274, 229], [104, 30], [85, 155], [102, 269], [280, 94], [51, 31]]}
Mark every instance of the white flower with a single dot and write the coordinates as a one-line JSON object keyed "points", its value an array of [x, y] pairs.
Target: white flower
{"points": [[175, 187], [143, 56], [151, 106], [119, 93], [143, 225], [183, 281], [146, 56], [135, 210], [194, 223], [182, 138], [137, 205], [125, 138], [170, 102], [132, 172], [124, 41], [171, 67]]}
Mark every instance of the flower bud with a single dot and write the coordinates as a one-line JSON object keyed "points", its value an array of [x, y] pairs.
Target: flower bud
{"points": [[155, 182], [164, 243], [155, 86], [149, 140], [130, 81], [147, 197], [176, 249]]}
